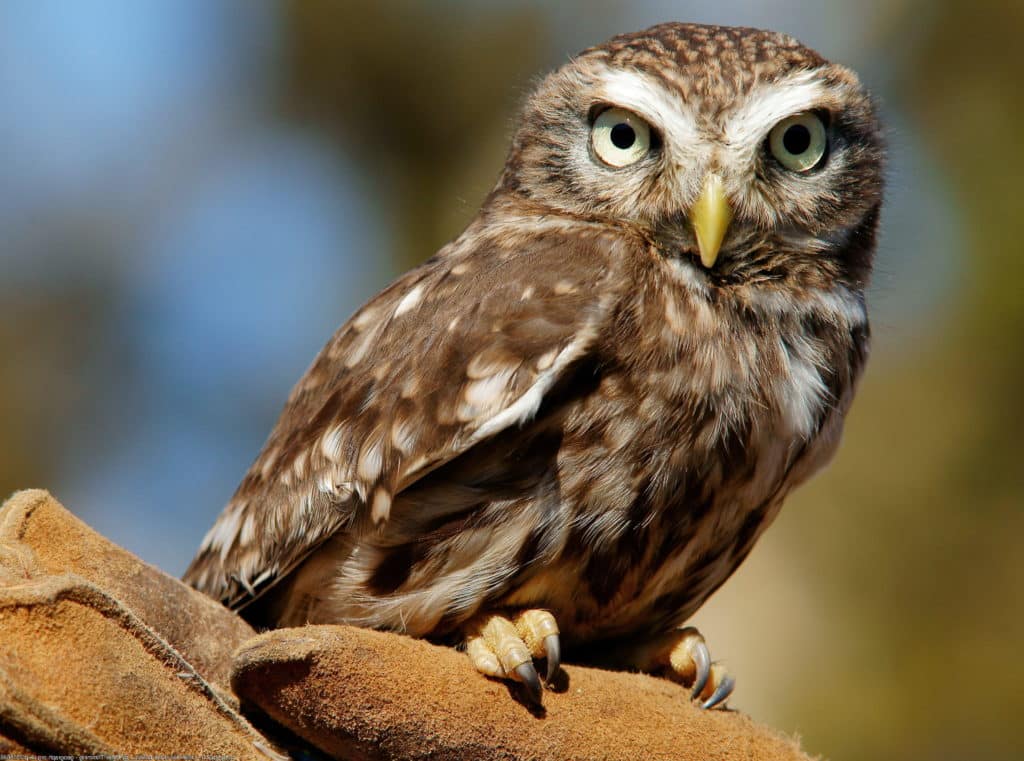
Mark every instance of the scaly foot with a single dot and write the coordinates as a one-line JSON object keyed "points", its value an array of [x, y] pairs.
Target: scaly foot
{"points": [[505, 648]]}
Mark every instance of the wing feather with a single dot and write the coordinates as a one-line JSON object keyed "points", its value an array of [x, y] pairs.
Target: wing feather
{"points": [[451, 354]]}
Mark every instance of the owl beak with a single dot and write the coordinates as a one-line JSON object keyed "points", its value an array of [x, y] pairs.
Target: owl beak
{"points": [[710, 217]]}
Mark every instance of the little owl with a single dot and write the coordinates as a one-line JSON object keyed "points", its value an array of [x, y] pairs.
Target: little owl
{"points": [[567, 428]]}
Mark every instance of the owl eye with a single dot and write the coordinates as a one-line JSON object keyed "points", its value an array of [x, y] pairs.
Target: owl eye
{"points": [[799, 142], [619, 137]]}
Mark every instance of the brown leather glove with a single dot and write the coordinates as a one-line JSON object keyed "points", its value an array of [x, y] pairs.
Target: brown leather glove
{"points": [[103, 654], [361, 694]]}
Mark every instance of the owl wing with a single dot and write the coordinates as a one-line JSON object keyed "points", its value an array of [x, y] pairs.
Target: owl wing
{"points": [[452, 353]]}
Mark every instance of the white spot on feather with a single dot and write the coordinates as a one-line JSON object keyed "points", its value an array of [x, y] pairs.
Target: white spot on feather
{"points": [[360, 349], [490, 362], [248, 532], [364, 319], [403, 434], [224, 532], [381, 506], [488, 391], [299, 464], [802, 393], [547, 359], [674, 316], [409, 301], [484, 396], [411, 387], [332, 442], [371, 460], [269, 460]]}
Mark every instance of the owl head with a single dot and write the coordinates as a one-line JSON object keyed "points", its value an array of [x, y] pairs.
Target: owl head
{"points": [[739, 152]]}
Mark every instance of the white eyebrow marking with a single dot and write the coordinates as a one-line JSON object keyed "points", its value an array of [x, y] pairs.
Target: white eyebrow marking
{"points": [[665, 110], [767, 105]]}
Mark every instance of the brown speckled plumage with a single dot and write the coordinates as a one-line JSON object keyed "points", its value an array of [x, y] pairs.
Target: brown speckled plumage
{"points": [[563, 409]]}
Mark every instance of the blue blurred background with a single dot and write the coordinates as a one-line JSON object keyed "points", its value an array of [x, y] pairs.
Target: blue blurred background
{"points": [[196, 193]]}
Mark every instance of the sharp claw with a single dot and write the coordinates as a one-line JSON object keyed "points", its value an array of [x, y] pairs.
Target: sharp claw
{"points": [[553, 650], [723, 691], [702, 660], [528, 675]]}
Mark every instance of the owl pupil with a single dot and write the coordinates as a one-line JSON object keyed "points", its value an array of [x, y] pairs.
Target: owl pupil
{"points": [[797, 139], [623, 136]]}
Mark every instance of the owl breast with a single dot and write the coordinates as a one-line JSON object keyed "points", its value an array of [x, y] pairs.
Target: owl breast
{"points": [[674, 473]]}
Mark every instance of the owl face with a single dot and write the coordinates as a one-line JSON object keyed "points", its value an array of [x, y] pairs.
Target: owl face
{"points": [[739, 151]]}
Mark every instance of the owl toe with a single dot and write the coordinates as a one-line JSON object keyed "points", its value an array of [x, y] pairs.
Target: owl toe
{"points": [[506, 648]]}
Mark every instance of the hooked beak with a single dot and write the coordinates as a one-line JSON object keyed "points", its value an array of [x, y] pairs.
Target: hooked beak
{"points": [[710, 217]]}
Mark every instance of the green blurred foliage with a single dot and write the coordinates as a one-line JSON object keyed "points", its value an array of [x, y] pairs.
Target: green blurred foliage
{"points": [[38, 383], [420, 94]]}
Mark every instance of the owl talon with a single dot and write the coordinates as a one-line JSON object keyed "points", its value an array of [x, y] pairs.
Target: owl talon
{"points": [[726, 684], [702, 663], [528, 676], [553, 652]]}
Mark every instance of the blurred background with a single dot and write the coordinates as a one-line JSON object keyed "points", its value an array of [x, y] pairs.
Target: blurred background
{"points": [[195, 193]]}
